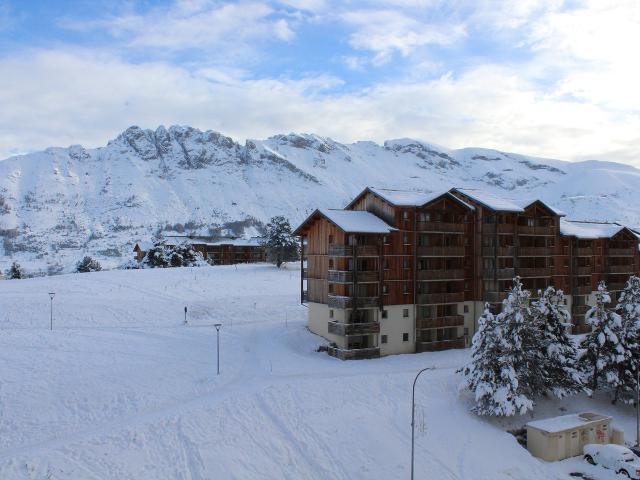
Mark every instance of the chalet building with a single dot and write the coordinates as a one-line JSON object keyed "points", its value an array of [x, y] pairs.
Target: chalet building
{"points": [[401, 272], [216, 250]]}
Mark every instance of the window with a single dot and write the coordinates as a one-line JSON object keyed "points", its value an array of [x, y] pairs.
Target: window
{"points": [[405, 312], [385, 239], [330, 313], [331, 263], [385, 288], [385, 313], [405, 288], [386, 264], [405, 239], [466, 309], [405, 264], [383, 339], [405, 215], [331, 239], [405, 337]]}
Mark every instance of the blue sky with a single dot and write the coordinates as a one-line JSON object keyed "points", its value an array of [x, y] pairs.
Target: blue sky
{"points": [[550, 78]]}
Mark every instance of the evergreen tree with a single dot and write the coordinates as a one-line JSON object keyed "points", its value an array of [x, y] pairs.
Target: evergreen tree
{"points": [[505, 370], [162, 255], [558, 350], [280, 243], [629, 310], [88, 264], [604, 351], [15, 272]]}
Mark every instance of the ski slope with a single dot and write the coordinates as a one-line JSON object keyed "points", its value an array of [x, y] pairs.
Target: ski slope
{"points": [[122, 389]]}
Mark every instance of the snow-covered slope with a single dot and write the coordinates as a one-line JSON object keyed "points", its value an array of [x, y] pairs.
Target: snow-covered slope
{"points": [[62, 203]]}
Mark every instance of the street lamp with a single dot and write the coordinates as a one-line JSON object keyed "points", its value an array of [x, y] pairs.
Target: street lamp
{"points": [[218, 325], [51, 295], [413, 414], [185, 315]]}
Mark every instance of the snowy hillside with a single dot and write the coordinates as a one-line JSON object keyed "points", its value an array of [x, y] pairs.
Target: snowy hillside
{"points": [[62, 203], [121, 389]]}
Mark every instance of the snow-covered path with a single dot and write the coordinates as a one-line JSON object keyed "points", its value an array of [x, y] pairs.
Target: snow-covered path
{"points": [[121, 389]]}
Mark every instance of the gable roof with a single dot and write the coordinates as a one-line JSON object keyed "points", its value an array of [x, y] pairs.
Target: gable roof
{"points": [[590, 230], [408, 198], [489, 200], [350, 221]]}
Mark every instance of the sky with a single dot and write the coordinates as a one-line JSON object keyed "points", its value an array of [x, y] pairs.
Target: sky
{"points": [[558, 79]]}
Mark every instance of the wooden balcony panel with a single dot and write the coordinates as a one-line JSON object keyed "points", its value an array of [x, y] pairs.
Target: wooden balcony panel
{"points": [[498, 251], [339, 301], [535, 251], [583, 252], [629, 269], [353, 353], [534, 272], [586, 270], [423, 251], [443, 227], [580, 309], [615, 286], [582, 290], [495, 297], [436, 298], [440, 322], [346, 329], [348, 250], [500, 227], [527, 230], [347, 276], [439, 345], [340, 251], [621, 252], [367, 251], [440, 274], [500, 273]]}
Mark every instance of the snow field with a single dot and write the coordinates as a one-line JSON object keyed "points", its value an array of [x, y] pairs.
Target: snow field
{"points": [[121, 389]]}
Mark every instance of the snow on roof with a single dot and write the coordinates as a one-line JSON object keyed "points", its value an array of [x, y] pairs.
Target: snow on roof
{"points": [[490, 200], [412, 198], [566, 422], [238, 242], [524, 203], [589, 230], [144, 246], [356, 221]]}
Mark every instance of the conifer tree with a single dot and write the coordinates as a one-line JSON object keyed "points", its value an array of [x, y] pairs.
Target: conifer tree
{"points": [[604, 351], [558, 350], [279, 241], [15, 272], [628, 308], [88, 264]]}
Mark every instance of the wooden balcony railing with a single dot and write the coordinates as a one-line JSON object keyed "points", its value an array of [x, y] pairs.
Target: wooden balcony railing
{"points": [[535, 272], [440, 274], [615, 286], [499, 273], [535, 251], [621, 269], [582, 290], [434, 298], [440, 322], [498, 251], [495, 297], [490, 228], [353, 353], [424, 251], [340, 251], [527, 230], [439, 345], [583, 251], [346, 276], [339, 301], [441, 227], [621, 252], [580, 309], [584, 270], [345, 329]]}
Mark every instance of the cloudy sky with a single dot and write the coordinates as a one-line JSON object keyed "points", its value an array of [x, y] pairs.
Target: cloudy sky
{"points": [[551, 78]]}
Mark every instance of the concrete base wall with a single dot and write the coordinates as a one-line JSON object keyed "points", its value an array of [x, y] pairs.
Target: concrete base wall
{"points": [[394, 326], [319, 322]]}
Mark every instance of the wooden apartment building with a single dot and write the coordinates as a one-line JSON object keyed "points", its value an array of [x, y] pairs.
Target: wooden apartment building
{"points": [[400, 272]]}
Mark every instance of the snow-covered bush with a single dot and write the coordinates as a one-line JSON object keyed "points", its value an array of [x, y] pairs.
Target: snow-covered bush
{"points": [[15, 272], [88, 264], [164, 256], [279, 242], [605, 353]]}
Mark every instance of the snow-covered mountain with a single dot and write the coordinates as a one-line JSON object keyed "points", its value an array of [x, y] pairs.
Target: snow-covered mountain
{"points": [[62, 203]]}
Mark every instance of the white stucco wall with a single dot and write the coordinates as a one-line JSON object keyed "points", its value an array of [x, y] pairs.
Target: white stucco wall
{"points": [[319, 322], [393, 327]]}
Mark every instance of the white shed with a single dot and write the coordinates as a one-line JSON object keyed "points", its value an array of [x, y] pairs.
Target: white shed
{"points": [[562, 437]]}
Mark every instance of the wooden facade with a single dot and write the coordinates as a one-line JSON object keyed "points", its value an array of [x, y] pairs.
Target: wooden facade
{"points": [[446, 254]]}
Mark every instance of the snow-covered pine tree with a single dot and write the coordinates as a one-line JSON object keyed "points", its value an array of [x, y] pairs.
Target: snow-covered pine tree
{"points": [[604, 352], [15, 272], [559, 351], [162, 255], [88, 264], [504, 372], [628, 308], [279, 242]]}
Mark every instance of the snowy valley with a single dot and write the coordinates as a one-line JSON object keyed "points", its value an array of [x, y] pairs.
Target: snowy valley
{"points": [[63, 203]]}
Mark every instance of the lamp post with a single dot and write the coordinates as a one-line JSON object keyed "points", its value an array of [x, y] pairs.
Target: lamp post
{"points": [[51, 295], [218, 325], [413, 415], [185, 315]]}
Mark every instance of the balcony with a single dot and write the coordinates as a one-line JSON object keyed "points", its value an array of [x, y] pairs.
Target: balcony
{"points": [[500, 273], [346, 329], [535, 251], [441, 227], [346, 276], [339, 301], [353, 353], [424, 251], [583, 251], [495, 297], [498, 251], [535, 272], [434, 298], [615, 286], [440, 274], [527, 230], [348, 251], [580, 309], [439, 345], [584, 270], [629, 269], [440, 322], [582, 290], [621, 252]]}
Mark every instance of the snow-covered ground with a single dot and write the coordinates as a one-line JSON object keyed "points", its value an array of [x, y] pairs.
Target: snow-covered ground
{"points": [[122, 389]]}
